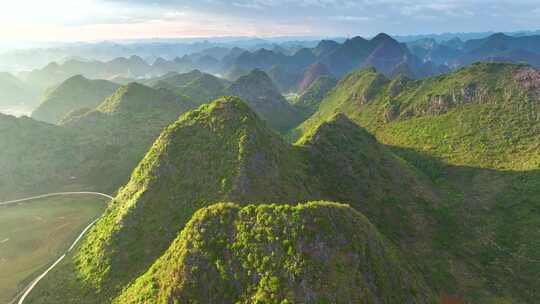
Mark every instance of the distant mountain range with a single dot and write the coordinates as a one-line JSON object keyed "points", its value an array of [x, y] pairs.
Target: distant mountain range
{"points": [[292, 67], [31, 58], [497, 47], [381, 52], [15, 92], [28, 56]]}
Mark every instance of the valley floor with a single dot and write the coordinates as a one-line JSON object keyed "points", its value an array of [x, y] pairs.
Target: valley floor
{"points": [[34, 233]]}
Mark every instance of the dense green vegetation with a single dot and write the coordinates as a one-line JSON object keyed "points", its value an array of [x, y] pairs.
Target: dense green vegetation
{"points": [[122, 129], [224, 152], [308, 102], [256, 88], [447, 168], [34, 233], [37, 157], [474, 133], [73, 94], [261, 94], [317, 252], [486, 115], [199, 87]]}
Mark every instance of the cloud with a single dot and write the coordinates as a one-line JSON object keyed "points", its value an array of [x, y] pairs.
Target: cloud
{"points": [[350, 18], [123, 18]]}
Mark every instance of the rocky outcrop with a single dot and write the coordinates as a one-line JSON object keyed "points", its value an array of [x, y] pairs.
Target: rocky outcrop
{"points": [[529, 78], [438, 104]]}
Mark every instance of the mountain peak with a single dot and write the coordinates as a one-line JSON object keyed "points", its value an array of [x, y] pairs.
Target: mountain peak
{"points": [[327, 43], [137, 59], [75, 79], [229, 108], [499, 36], [257, 82], [382, 37], [134, 97], [160, 61], [262, 95], [220, 229], [355, 41], [312, 73], [74, 93], [258, 73], [338, 126]]}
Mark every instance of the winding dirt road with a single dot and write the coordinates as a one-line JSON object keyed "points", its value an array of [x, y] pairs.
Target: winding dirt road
{"points": [[26, 291]]}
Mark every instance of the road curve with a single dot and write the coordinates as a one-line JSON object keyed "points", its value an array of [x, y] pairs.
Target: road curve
{"points": [[26, 291], [52, 195]]}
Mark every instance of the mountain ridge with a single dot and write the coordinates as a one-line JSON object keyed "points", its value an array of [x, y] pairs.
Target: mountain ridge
{"points": [[229, 154], [74, 93]]}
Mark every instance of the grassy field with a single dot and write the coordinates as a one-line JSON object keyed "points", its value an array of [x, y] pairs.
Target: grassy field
{"points": [[34, 233]]}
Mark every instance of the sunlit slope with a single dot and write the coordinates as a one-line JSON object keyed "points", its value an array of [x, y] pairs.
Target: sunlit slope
{"points": [[224, 152], [486, 115], [475, 133], [311, 253]]}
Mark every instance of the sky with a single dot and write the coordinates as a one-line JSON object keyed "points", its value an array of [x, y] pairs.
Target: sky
{"points": [[96, 20]]}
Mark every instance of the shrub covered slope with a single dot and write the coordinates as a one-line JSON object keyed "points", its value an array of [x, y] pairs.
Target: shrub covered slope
{"points": [[224, 152], [317, 252]]}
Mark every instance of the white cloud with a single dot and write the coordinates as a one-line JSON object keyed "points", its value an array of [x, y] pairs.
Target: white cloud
{"points": [[350, 18], [149, 18]]}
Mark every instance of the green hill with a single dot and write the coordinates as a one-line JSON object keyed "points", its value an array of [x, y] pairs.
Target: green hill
{"points": [[34, 156], [135, 98], [312, 96], [15, 92], [258, 90], [89, 144], [224, 152], [317, 252], [455, 184], [485, 115], [75, 93], [125, 125], [199, 87], [475, 133]]}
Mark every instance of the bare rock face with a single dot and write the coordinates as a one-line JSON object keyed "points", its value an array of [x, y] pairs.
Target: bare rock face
{"points": [[392, 112], [529, 78], [440, 104]]}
